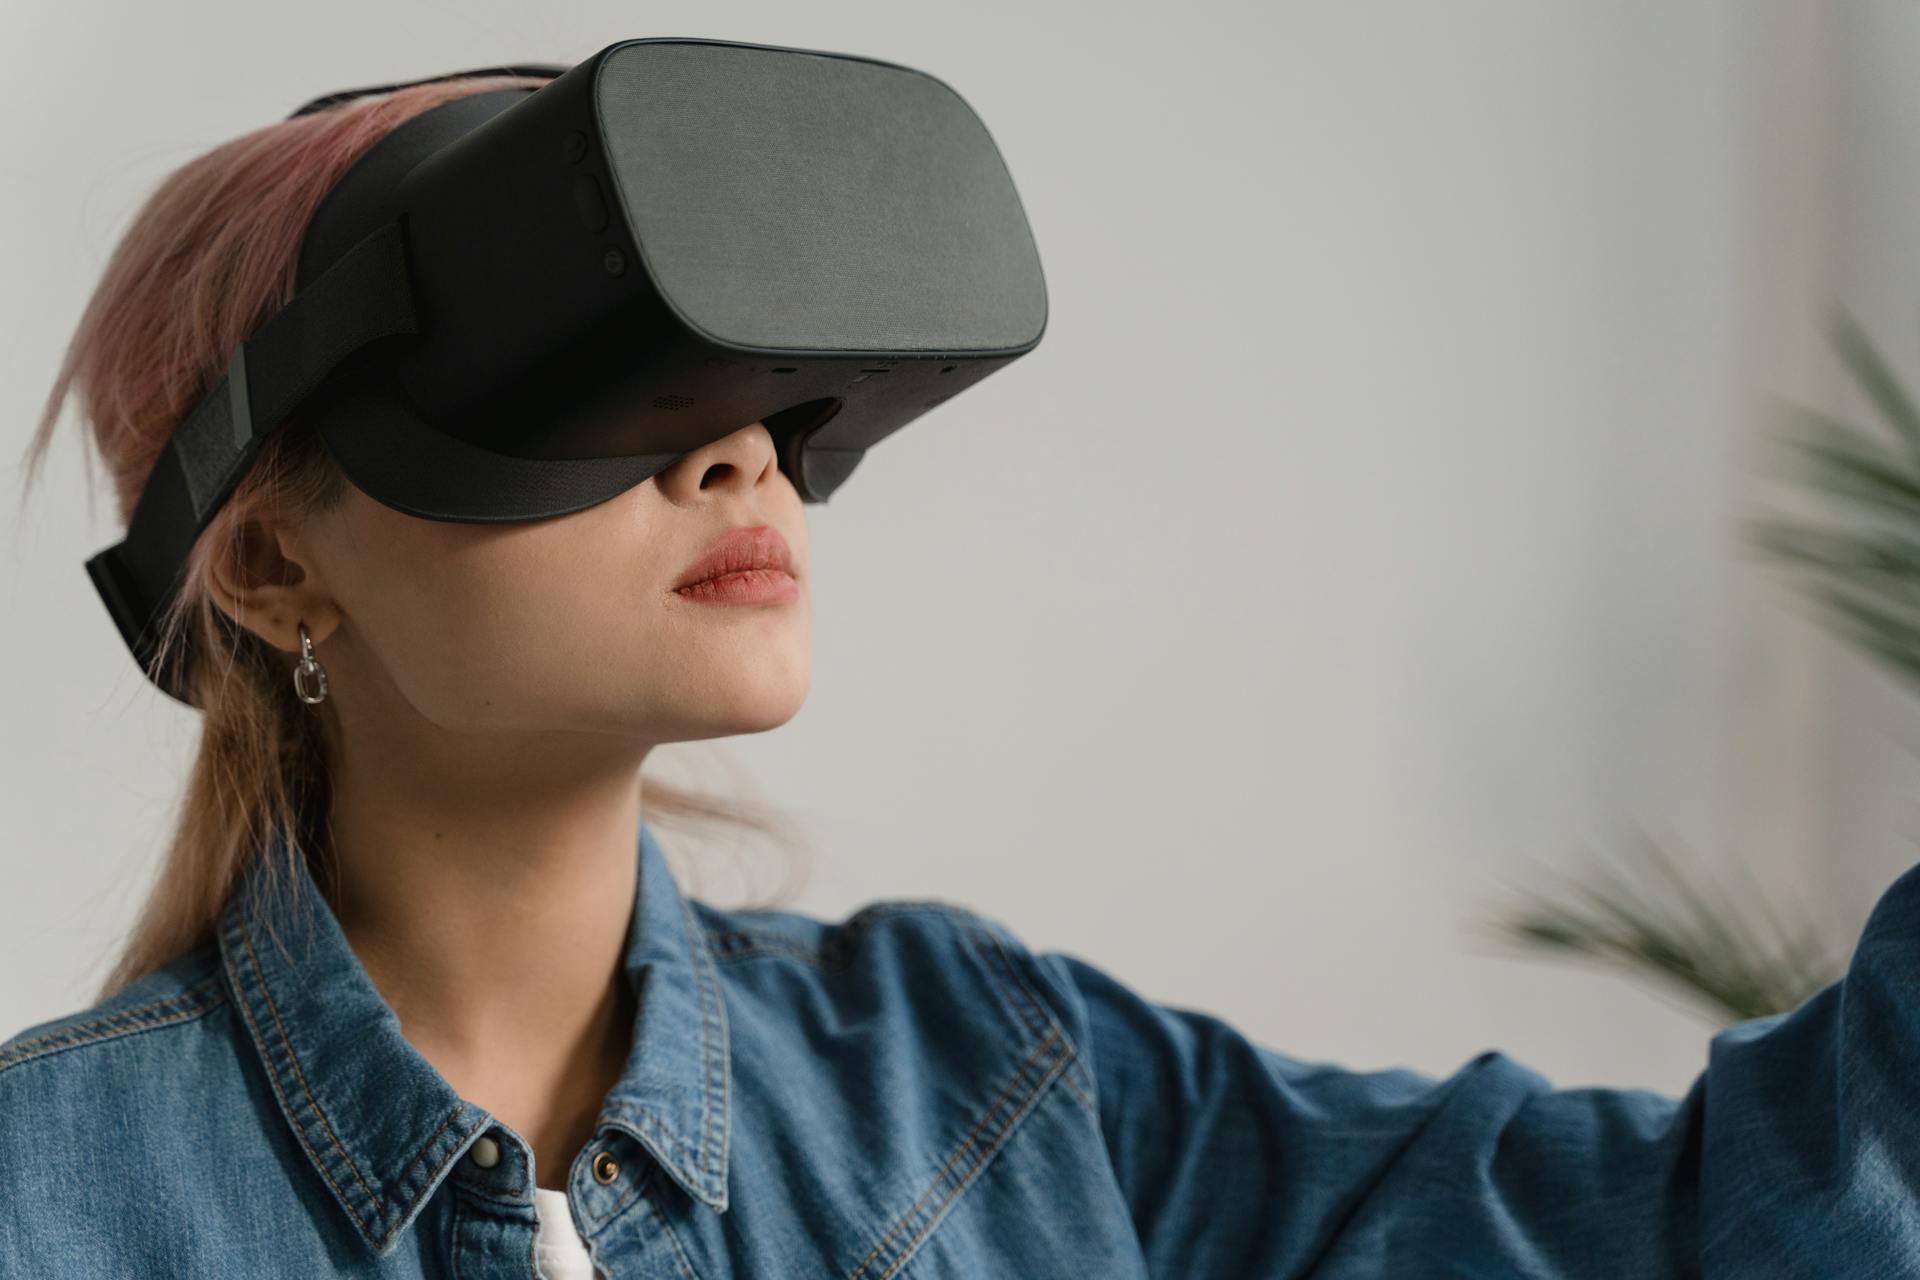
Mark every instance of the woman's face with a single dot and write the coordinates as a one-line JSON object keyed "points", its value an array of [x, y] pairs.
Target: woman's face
{"points": [[570, 623]]}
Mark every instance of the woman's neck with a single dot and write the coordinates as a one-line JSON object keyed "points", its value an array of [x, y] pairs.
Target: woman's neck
{"points": [[494, 919]]}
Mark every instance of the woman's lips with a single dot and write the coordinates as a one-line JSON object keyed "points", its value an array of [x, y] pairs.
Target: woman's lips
{"points": [[749, 548], [748, 586]]}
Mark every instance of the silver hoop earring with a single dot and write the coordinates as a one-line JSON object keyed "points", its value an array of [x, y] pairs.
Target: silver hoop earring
{"points": [[309, 666]]}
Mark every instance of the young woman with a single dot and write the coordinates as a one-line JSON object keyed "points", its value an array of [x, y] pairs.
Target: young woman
{"points": [[416, 993]]}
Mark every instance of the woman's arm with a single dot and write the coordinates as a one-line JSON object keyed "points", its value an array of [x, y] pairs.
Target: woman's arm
{"points": [[1795, 1153]]}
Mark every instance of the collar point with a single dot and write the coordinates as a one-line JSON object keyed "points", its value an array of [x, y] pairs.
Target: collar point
{"points": [[714, 1196]]}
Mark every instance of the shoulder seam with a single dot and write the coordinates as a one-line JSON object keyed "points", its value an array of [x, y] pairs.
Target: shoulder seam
{"points": [[1040, 1016], [835, 946], [197, 1000]]}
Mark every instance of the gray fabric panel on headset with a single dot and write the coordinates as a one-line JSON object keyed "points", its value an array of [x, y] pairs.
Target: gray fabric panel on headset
{"points": [[891, 253]]}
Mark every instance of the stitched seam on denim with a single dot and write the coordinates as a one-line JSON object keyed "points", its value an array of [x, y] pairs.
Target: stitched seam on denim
{"points": [[937, 1214], [476, 1185], [705, 985], [1080, 1093], [380, 1207], [480, 1191], [533, 1242], [1034, 1004], [746, 947], [649, 1175], [1058, 1065], [835, 949], [459, 1246], [463, 1213], [197, 1001], [654, 1125], [755, 937], [278, 1086], [621, 1203], [852, 932], [519, 1183], [999, 965], [680, 1259], [425, 1147], [920, 1207], [905, 906], [1080, 1070]]}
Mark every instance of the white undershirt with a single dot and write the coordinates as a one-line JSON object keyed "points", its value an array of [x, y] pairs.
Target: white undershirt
{"points": [[562, 1253]]}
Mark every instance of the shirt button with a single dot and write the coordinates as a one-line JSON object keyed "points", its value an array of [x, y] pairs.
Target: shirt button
{"points": [[486, 1152], [605, 1167]]}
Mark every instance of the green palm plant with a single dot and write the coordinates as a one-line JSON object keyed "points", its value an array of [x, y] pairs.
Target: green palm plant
{"points": [[1868, 577], [1654, 919]]}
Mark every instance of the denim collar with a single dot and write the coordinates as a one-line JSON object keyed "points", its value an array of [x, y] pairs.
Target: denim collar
{"points": [[384, 1127]]}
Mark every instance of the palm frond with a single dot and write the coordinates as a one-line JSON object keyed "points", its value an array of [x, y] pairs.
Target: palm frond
{"points": [[1689, 931], [1678, 926], [1845, 461], [1864, 361]]}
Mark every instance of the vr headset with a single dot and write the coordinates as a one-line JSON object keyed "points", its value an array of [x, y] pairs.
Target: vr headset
{"points": [[521, 303]]}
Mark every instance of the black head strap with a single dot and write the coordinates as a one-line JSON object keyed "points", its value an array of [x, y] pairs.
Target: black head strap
{"points": [[364, 296]]}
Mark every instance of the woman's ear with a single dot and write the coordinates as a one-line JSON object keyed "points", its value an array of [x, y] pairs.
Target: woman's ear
{"points": [[261, 582]]}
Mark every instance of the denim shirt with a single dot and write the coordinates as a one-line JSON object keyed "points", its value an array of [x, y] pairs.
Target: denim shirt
{"points": [[912, 1093]]}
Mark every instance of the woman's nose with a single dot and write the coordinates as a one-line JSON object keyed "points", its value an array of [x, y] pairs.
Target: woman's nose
{"points": [[741, 458]]}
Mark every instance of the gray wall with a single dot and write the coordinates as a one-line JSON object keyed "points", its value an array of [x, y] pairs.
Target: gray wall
{"points": [[1361, 533]]}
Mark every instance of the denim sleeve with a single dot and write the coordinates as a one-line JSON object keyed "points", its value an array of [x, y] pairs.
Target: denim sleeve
{"points": [[1794, 1153]]}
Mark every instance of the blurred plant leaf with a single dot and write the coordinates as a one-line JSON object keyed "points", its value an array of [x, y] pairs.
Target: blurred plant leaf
{"points": [[1867, 575], [1684, 929], [1864, 361], [1688, 931]]}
